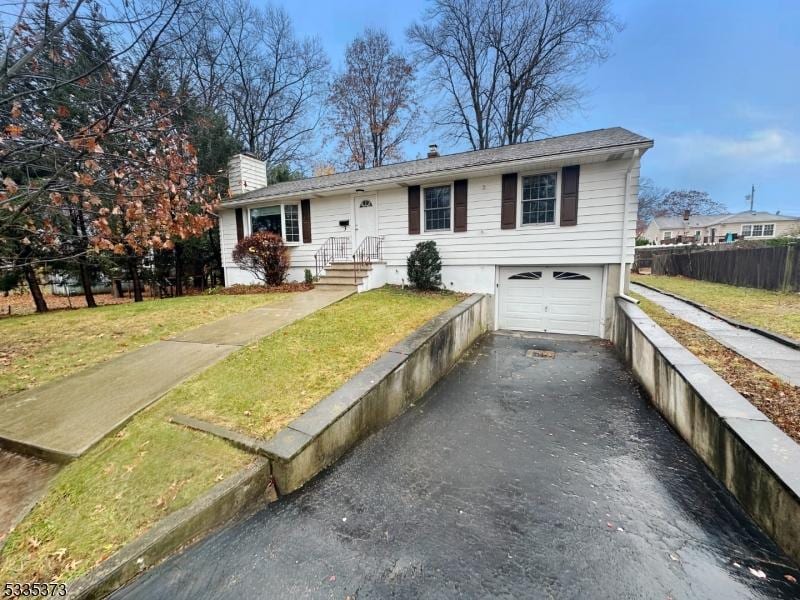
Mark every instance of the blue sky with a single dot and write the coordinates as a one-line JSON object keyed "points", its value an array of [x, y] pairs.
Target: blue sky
{"points": [[715, 83]]}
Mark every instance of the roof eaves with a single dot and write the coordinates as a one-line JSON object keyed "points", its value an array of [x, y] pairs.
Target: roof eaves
{"points": [[255, 196]]}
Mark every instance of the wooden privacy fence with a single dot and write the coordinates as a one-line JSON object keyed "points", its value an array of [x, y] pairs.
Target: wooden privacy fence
{"points": [[767, 268]]}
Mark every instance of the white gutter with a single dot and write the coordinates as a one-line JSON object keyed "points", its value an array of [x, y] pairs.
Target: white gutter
{"points": [[624, 223]]}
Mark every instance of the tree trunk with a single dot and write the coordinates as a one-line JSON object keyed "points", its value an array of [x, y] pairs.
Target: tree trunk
{"points": [[216, 261], [86, 283], [79, 225], [178, 269], [36, 291], [133, 269]]}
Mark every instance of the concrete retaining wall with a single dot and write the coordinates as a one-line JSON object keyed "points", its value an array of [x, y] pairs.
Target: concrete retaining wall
{"points": [[239, 494], [309, 444], [754, 459], [376, 395]]}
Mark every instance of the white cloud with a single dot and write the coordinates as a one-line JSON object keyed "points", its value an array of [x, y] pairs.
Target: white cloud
{"points": [[763, 146]]}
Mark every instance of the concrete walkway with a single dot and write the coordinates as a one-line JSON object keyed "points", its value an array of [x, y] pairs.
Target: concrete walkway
{"points": [[61, 420], [515, 477], [782, 361]]}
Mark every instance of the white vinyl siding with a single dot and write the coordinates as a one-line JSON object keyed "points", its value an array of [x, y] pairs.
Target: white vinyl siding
{"points": [[594, 240]]}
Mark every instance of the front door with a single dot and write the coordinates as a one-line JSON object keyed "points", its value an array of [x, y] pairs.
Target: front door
{"points": [[366, 218]]}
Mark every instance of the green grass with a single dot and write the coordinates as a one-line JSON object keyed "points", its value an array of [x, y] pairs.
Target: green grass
{"points": [[775, 311], [258, 391], [112, 495], [38, 348], [151, 468]]}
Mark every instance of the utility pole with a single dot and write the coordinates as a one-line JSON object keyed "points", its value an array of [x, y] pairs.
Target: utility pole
{"points": [[752, 196]]}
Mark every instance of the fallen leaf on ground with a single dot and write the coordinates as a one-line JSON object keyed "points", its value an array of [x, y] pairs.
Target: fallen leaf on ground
{"points": [[758, 573], [790, 578]]}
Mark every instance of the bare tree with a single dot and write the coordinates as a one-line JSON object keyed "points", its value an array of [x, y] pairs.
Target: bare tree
{"points": [[650, 199], [677, 202], [507, 67], [275, 83], [374, 104]]}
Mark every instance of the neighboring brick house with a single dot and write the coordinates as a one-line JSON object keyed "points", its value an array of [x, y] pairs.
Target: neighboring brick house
{"points": [[710, 229]]}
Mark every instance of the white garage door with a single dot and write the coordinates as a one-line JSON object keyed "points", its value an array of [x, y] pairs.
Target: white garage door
{"points": [[551, 299]]}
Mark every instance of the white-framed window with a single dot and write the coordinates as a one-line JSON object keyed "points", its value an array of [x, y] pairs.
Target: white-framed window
{"points": [[539, 199], [283, 219], [697, 235], [760, 230], [667, 235], [437, 207]]}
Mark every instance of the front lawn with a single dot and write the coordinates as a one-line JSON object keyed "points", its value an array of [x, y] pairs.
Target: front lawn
{"points": [[770, 394], [260, 390], [774, 311], [38, 348], [151, 468]]}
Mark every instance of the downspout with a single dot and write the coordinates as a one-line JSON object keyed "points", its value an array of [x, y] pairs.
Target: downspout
{"points": [[624, 223]]}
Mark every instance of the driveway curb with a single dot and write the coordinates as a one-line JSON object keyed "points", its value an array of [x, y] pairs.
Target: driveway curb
{"points": [[242, 492], [376, 395], [748, 454], [310, 443], [777, 337]]}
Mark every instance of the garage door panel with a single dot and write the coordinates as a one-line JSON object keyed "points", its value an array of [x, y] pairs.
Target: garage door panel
{"points": [[567, 304]]}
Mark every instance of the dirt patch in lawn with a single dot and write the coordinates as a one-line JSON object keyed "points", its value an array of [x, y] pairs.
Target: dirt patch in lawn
{"points": [[16, 304], [772, 396], [241, 289]]}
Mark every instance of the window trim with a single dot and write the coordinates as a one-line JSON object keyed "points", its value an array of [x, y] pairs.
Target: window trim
{"points": [[666, 235], [557, 207], [424, 228], [762, 225], [283, 220]]}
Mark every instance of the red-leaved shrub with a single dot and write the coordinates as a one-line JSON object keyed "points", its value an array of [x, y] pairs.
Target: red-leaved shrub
{"points": [[264, 255]]}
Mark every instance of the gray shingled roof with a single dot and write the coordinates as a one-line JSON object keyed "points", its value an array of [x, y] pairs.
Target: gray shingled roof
{"points": [[708, 220], [554, 146], [756, 217]]}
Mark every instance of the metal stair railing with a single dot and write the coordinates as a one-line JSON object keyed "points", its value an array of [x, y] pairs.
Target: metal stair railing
{"points": [[370, 248], [334, 248]]}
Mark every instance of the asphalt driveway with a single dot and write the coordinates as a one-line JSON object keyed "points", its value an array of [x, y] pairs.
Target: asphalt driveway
{"points": [[517, 476]]}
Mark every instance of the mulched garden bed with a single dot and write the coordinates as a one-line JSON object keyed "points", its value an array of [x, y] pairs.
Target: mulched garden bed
{"points": [[240, 289], [777, 399]]}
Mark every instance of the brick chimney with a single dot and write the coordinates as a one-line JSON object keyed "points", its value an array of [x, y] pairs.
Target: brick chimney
{"points": [[246, 173], [433, 151]]}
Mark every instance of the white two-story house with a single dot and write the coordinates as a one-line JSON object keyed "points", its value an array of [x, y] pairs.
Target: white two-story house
{"points": [[546, 227]]}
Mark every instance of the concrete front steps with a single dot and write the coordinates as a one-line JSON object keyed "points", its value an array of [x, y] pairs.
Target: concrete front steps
{"points": [[340, 275]]}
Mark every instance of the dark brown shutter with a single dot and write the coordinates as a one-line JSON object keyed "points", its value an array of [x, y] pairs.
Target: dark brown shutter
{"points": [[305, 209], [413, 209], [569, 195], [239, 225], [460, 205], [508, 203]]}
